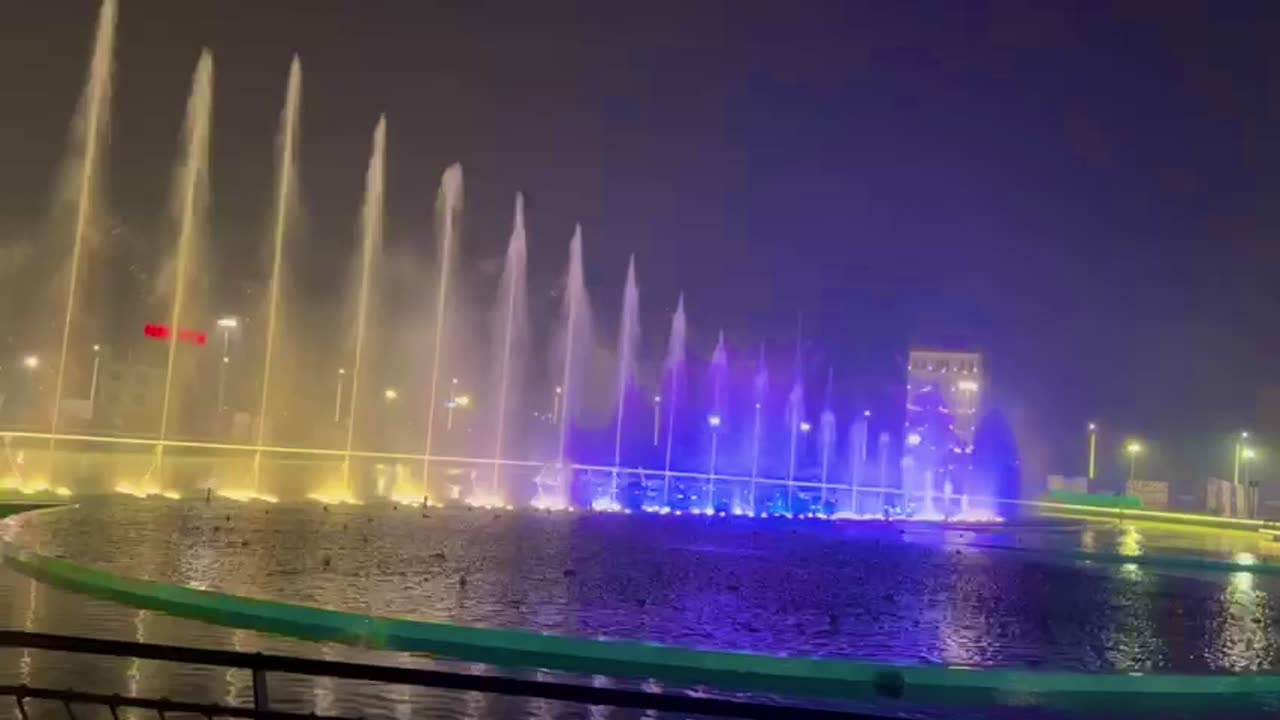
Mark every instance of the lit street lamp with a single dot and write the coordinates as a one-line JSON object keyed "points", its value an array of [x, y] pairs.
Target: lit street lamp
{"points": [[226, 325], [657, 405], [337, 403], [93, 379], [1133, 448], [31, 362], [1246, 455], [1093, 448], [460, 401], [1235, 469], [390, 394], [713, 421]]}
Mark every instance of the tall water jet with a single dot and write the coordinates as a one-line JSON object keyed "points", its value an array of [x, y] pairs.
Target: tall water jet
{"points": [[191, 201], [89, 140], [827, 434], [795, 414], [513, 321], [719, 366], [672, 367], [448, 210], [575, 314], [287, 147], [371, 221], [761, 387], [628, 339], [857, 457]]}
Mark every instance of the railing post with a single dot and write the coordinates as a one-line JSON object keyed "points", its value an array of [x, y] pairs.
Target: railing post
{"points": [[260, 702]]}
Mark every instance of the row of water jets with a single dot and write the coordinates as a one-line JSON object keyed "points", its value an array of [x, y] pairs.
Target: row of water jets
{"points": [[190, 204]]}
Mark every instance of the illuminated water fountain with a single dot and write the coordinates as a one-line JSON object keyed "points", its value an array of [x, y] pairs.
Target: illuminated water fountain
{"points": [[89, 139], [286, 187], [719, 366], [191, 202], [499, 455], [628, 339], [512, 323], [448, 212], [673, 369], [371, 219]]}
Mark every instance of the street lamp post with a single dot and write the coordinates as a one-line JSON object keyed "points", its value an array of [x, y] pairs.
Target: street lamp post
{"points": [[337, 401], [1133, 448], [1093, 448], [657, 422], [458, 401], [226, 325], [713, 420], [93, 379], [1236, 457], [1246, 455]]}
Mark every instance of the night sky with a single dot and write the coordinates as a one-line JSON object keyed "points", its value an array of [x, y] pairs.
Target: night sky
{"points": [[1084, 191]]}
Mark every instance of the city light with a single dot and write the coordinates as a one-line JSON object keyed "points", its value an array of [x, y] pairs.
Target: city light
{"points": [[1133, 447], [31, 362], [805, 426], [968, 385], [229, 322], [463, 400], [390, 393], [1248, 453], [714, 420]]}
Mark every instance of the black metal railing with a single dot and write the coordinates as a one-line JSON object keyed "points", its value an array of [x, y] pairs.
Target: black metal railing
{"points": [[260, 665]]}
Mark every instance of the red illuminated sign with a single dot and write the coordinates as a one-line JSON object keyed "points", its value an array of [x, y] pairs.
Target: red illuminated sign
{"points": [[163, 332]]}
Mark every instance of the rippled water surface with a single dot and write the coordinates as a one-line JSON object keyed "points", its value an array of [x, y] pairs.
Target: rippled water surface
{"points": [[898, 593]]}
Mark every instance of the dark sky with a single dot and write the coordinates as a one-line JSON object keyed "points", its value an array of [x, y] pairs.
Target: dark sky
{"points": [[1084, 191]]}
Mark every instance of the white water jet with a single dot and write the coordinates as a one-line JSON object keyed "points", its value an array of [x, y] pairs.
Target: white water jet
{"points": [[448, 212], [286, 186], [89, 138], [628, 339], [827, 433], [512, 321], [857, 458], [190, 205], [371, 225], [795, 412], [761, 387], [672, 368], [577, 326], [719, 366]]}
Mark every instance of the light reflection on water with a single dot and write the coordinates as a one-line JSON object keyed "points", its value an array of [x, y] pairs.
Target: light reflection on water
{"points": [[813, 588]]}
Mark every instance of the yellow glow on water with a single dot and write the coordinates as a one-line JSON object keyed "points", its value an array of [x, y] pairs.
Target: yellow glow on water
{"points": [[335, 497], [240, 495], [488, 501], [32, 486], [146, 490]]}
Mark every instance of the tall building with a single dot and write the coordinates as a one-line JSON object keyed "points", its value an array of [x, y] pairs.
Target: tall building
{"points": [[944, 391], [947, 384]]}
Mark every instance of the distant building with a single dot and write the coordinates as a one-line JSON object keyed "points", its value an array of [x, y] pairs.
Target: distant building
{"points": [[945, 384], [944, 392]]}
